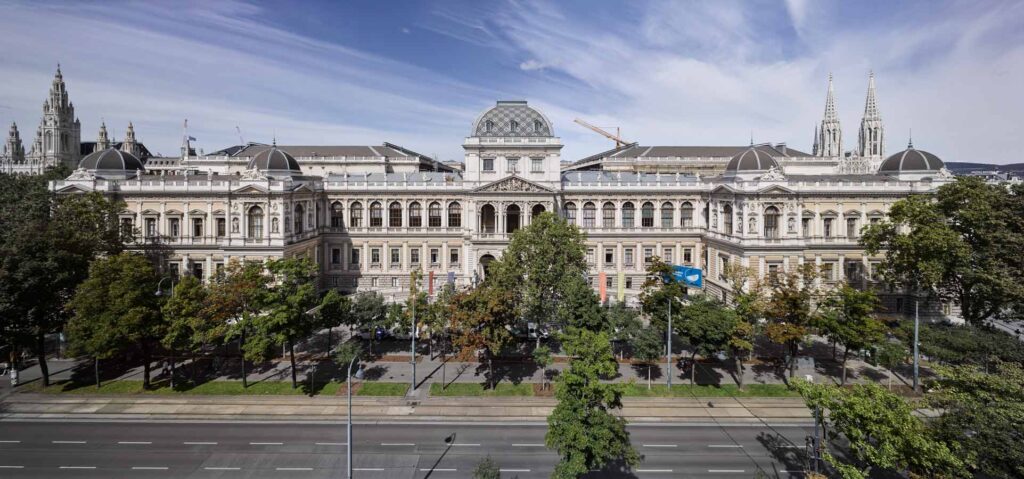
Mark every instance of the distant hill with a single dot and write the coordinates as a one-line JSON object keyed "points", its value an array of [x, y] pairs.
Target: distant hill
{"points": [[964, 167]]}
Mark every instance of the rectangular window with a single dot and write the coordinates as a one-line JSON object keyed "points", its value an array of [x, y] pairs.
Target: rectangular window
{"points": [[805, 225], [374, 282], [221, 227], [394, 282], [488, 164], [453, 256], [608, 283], [851, 227], [687, 256], [628, 256], [629, 283], [773, 272], [723, 264], [536, 165], [852, 271], [172, 269], [590, 255], [396, 256], [435, 255], [220, 269], [828, 272], [609, 256], [354, 258], [335, 256], [414, 256], [828, 228], [197, 270], [513, 165], [197, 227], [648, 256], [127, 227], [666, 255], [173, 227], [375, 255], [874, 221]]}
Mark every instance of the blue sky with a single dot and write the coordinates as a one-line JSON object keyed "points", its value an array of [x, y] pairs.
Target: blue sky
{"points": [[418, 73]]}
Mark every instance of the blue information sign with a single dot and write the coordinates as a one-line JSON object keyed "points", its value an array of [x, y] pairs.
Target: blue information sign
{"points": [[688, 275]]}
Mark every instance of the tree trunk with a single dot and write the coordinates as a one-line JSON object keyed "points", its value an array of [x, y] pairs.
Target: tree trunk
{"points": [[693, 369], [241, 353], [41, 357], [739, 371], [291, 358], [145, 370], [793, 349], [846, 354], [170, 379], [327, 354], [648, 376]]}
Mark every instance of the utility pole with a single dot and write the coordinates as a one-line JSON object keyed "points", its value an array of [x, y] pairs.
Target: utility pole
{"points": [[414, 298], [916, 359], [668, 360]]}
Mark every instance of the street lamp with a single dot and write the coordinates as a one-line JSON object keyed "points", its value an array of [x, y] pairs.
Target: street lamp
{"points": [[358, 375]]}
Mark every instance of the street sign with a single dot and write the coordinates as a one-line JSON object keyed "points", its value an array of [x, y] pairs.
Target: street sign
{"points": [[688, 275]]}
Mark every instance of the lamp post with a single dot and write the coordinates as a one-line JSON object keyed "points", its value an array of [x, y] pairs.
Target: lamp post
{"points": [[358, 375], [916, 360], [668, 360], [160, 292]]}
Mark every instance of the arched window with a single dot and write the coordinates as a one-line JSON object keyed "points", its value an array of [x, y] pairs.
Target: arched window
{"points": [[538, 126], [667, 215], [337, 215], [771, 222], [395, 214], [488, 126], [256, 222], [589, 215], [513, 126], [647, 215], [454, 215], [299, 212], [727, 219], [686, 214], [415, 215], [376, 215], [608, 215], [487, 219], [628, 214], [434, 215], [355, 215], [512, 218], [570, 213], [536, 211]]}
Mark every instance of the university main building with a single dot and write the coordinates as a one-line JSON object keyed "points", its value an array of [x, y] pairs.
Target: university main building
{"points": [[369, 215]]}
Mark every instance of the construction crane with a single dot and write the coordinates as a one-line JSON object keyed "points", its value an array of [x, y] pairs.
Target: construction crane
{"points": [[616, 138], [241, 141]]}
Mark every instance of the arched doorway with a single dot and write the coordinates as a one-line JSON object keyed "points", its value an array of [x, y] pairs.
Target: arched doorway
{"points": [[485, 263], [487, 219], [536, 211], [511, 218]]}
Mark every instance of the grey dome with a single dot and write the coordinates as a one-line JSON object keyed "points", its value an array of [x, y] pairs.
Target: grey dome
{"points": [[751, 159], [498, 121], [274, 160], [111, 160], [910, 160]]}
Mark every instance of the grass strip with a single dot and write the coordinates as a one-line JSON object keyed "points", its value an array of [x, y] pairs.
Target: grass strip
{"points": [[475, 389]]}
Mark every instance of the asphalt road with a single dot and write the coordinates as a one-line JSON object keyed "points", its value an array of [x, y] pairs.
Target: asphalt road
{"points": [[274, 450]]}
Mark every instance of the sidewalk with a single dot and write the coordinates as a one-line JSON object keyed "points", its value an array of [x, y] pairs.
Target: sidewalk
{"points": [[334, 408]]}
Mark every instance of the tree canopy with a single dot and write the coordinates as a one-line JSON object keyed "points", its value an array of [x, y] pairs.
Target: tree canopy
{"points": [[707, 325], [848, 319]]}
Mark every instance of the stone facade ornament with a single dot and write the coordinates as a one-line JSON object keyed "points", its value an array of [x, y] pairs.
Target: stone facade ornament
{"points": [[275, 225], [791, 225], [514, 184], [234, 225], [773, 174], [945, 174], [81, 174], [253, 174]]}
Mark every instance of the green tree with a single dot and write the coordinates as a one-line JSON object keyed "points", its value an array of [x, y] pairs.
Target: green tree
{"points": [[648, 345], [882, 432], [624, 321], [116, 311], [287, 317], [580, 307], [482, 320], [982, 417], [953, 344], [487, 469], [659, 291], [582, 428], [707, 325], [236, 298], [335, 310], [543, 359], [189, 329], [540, 263], [848, 319], [963, 244], [791, 310], [346, 352], [749, 300], [46, 244], [368, 313], [891, 355]]}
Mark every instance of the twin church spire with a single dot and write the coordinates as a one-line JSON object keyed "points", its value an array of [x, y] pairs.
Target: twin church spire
{"points": [[828, 137]]}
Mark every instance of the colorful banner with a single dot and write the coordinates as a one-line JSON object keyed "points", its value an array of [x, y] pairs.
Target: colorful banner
{"points": [[430, 286], [622, 287], [451, 277], [602, 286]]}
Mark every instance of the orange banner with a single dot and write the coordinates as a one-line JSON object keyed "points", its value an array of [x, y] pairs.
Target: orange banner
{"points": [[602, 286]]}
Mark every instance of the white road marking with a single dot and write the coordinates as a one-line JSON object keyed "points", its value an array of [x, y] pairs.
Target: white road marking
{"points": [[513, 470], [528, 445], [367, 468], [294, 468], [724, 445], [134, 442], [654, 470], [149, 468], [660, 445], [397, 444], [78, 467], [10, 442], [438, 470], [265, 443], [467, 445], [736, 471], [792, 447], [222, 468], [12, 467], [331, 444], [190, 443], [68, 442]]}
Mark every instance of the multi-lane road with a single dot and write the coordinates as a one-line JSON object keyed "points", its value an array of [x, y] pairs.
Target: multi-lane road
{"points": [[416, 450]]}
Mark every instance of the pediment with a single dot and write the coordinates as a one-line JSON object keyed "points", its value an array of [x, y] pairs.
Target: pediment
{"points": [[250, 189], [74, 189], [197, 213], [513, 184], [775, 190], [723, 189], [302, 188]]}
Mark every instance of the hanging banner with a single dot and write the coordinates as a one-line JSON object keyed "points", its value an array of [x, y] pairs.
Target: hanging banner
{"points": [[451, 278], [430, 286], [602, 286], [688, 275], [622, 287]]}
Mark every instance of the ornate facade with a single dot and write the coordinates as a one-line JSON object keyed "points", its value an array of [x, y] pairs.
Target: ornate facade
{"points": [[368, 216]]}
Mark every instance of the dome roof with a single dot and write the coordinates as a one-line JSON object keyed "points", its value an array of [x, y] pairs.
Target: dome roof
{"points": [[111, 160], [274, 160], [751, 159], [512, 118], [911, 159]]}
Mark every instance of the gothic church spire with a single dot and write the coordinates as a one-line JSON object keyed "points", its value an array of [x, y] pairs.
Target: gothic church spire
{"points": [[871, 137], [830, 135]]}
